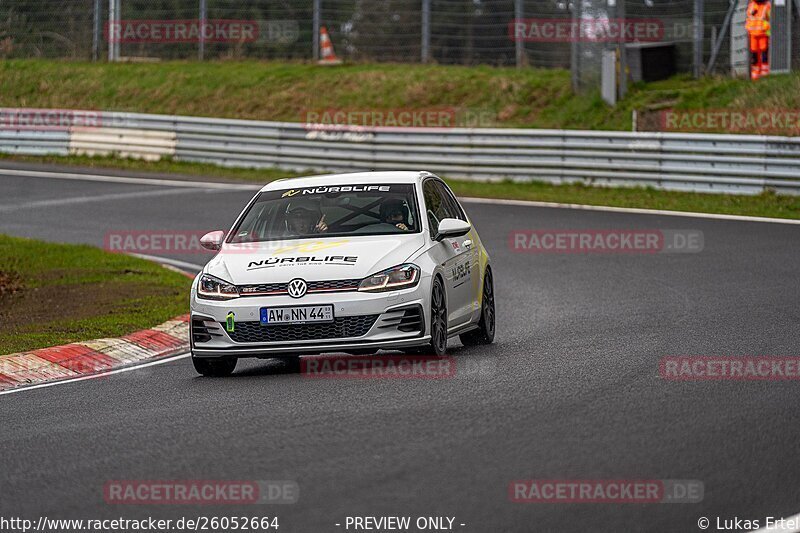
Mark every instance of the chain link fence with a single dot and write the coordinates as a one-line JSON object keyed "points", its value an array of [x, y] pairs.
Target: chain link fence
{"points": [[541, 33]]}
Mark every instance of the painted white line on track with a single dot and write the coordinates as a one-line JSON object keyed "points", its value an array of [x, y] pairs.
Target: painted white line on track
{"points": [[496, 201], [790, 524], [136, 181], [636, 210], [56, 202], [95, 376], [173, 262]]}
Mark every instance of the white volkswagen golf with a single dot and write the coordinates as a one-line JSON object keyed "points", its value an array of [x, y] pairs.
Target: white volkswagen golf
{"points": [[347, 263]]}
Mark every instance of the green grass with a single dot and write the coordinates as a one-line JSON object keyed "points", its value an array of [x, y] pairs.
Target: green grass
{"points": [[504, 97], [765, 205], [52, 294]]}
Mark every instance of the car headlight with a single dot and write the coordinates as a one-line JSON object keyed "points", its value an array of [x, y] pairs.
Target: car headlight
{"points": [[399, 277], [212, 288]]}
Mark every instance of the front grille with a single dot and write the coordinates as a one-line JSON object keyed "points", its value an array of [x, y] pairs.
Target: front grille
{"points": [[263, 288], [269, 289], [340, 328], [334, 285]]}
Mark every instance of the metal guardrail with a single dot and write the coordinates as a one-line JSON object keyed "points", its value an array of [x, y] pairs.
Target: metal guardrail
{"points": [[745, 164], [30, 142]]}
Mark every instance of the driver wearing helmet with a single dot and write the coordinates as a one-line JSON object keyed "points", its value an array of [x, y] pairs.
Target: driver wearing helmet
{"points": [[304, 221], [394, 212]]}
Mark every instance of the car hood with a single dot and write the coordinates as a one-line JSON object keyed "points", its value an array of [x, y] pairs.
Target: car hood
{"points": [[312, 259]]}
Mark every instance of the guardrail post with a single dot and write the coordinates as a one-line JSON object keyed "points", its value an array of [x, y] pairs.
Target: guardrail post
{"points": [[574, 52], [96, 31], [698, 38], [201, 46], [623, 55], [112, 16], [425, 48], [519, 44], [316, 16]]}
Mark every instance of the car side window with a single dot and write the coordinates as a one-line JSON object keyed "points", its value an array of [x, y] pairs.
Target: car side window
{"points": [[440, 204], [433, 205], [453, 209]]}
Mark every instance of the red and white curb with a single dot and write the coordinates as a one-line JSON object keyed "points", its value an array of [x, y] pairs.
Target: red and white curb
{"points": [[93, 357]]}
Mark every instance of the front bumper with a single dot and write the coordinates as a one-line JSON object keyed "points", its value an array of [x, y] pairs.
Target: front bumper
{"points": [[388, 320]]}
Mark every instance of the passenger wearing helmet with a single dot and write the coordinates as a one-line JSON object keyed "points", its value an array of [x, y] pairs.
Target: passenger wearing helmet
{"points": [[303, 221], [394, 212]]}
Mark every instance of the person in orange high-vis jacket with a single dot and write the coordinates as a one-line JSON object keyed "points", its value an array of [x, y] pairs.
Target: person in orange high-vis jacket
{"points": [[758, 27]]}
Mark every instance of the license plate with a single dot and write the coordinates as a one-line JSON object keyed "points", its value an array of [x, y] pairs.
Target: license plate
{"points": [[296, 315]]}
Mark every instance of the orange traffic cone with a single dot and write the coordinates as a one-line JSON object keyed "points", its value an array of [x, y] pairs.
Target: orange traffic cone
{"points": [[326, 49]]}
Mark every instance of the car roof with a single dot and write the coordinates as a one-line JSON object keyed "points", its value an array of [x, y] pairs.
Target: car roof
{"points": [[354, 178]]}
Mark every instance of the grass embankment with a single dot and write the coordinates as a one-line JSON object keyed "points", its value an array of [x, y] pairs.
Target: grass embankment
{"points": [[764, 205], [503, 97], [53, 294]]}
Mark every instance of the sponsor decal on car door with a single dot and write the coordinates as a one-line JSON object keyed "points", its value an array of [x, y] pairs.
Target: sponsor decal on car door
{"points": [[459, 274]]}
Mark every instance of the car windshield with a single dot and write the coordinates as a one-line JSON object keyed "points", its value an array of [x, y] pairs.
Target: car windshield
{"points": [[331, 210]]}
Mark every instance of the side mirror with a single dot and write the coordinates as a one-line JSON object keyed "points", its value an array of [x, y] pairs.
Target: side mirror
{"points": [[452, 227], [212, 240]]}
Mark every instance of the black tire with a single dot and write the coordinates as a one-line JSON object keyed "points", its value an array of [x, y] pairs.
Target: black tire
{"points": [[438, 343], [214, 367], [486, 326]]}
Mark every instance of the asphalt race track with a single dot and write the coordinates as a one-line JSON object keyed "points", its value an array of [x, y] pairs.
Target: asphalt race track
{"points": [[570, 390]]}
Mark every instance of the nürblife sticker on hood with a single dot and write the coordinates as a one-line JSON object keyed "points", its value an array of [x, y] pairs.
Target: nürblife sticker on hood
{"points": [[271, 262], [308, 248]]}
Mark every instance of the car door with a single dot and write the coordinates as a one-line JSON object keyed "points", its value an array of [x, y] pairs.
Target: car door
{"points": [[453, 254], [471, 242]]}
